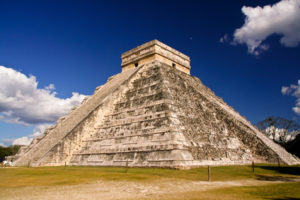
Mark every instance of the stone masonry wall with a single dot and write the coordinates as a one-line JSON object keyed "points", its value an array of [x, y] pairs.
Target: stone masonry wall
{"points": [[215, 134], [139, 130], [64, 126], [153, 116]]}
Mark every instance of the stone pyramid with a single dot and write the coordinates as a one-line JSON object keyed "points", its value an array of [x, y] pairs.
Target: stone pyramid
{"points": [[153, 114]]}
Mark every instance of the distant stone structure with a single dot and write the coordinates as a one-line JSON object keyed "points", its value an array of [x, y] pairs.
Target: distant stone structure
{"points": [[155, 51], [153, 114]]}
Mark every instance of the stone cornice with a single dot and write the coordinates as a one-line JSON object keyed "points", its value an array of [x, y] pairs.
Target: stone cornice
{"points": [[154, 47]]}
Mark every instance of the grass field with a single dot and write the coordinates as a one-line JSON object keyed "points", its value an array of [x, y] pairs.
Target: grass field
{"points": [[267, 182]]}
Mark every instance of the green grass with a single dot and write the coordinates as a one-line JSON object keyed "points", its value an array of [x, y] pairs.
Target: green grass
{"points": [[49, 176]]}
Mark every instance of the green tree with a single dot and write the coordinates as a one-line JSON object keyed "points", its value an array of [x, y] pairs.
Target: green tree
{"points": [[8, 151]]}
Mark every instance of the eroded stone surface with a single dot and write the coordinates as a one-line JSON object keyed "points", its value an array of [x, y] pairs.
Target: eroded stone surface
{"points": [[154, 116]]}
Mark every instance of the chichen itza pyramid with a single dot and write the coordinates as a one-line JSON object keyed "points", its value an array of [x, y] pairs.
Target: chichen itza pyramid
{"points": [[152, 114]]}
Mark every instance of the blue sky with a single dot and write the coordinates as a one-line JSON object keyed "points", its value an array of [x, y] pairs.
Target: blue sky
{"points": [[76, 46]]}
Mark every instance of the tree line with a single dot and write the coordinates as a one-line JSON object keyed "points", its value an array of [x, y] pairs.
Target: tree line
{"points": [[8, 151]]}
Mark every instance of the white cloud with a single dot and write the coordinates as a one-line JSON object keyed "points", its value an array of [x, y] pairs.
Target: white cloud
{"points": [[224, 38], [26, 140], [282, 18], [293, 90], [22, 141], [21, 101], [40, 129], [50, 87], [285, 90], [7, 141]]}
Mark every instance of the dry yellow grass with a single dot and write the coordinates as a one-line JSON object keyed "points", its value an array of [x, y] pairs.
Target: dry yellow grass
{"points": [[230, 182]]}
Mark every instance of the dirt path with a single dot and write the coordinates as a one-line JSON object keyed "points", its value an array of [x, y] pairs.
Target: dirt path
{"points": [[119, 189]]}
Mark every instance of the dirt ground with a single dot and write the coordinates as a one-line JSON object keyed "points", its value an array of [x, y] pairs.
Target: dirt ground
{"points": [[120, 189]]}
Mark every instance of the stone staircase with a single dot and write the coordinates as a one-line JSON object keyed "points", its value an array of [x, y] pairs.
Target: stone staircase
{"points": [[66, 125]]}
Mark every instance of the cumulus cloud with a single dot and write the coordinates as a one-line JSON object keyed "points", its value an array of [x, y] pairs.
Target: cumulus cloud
{"points": [[26, 140], [21, 101], [282, 18], [22, 141], [293, 90], [7, 141], [285, 90]]}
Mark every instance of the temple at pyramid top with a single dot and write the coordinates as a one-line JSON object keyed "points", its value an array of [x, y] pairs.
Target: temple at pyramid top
{"points": [[155, 50]]}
